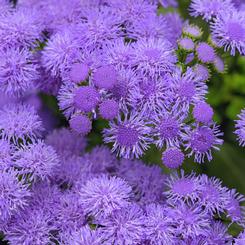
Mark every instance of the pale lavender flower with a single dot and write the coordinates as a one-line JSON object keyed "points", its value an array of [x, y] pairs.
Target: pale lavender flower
{"points": [[13, 194], [20, 122], [18, 71], [240, 128], [208, 9], [202, 72], [66, 142], [173, 157], [153, 56], [240, 240], [201, 140], [228, 31], [203, 112], [205, 52], [181, 187], [36, 161], [186, 43], [193, 31], [124, 226], [129, 134], [101, 195]]}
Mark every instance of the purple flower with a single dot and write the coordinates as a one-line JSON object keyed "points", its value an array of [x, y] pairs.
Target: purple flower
{"points": [[182, 188], [228, 31], [240, 128], [19, 121], [124, 226], [173, 157], [186, 44], [202, 72], [79, 72], [84, 235], [240, 239], [21, 28], [109, 109], [105, 77], [31, 226], [14, 194], [201, 141], [36, 161], [213, 196], [147, 181], [18, 71], [193, 31], [189, 221], [86, 98], [219, 64], [235, 211], [205, 52], [80, 124], [62, 48], [6, 151], [187, 88], [66, 142], [168, 129], [208, 9], [153, 56], [158, 226], [203, 112], [101, 195], [130, 135]]}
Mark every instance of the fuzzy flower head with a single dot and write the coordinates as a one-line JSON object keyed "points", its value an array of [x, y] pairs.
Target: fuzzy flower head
{"points": [[22, 28], [158, 225], [201, 141], [6, 151], [80, 124], [153, 56], [13, 194], [173, 157], [18, 71], [205, 52], [129, 134], [124, 226], [182, 188], [212, 195], [201, 72], [109, 109], [187, 88], [186, 44], [228, 31], [192, 31], [79, 72], [36, 161], [203, 112], [20, 122], [65, 142], [169, 129], [189, 221], [208, 9], [101, 195], [240, 128], [147, 181], [31, 226]]}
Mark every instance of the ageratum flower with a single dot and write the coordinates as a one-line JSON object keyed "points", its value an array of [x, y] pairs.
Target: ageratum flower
{"points": [[101, 195], [203, 112], [80, 124], [124, 226], [193, 31], [21, 28], [182, 188], [240, 239], [158, 225], [31, 226], [202, 72], [201, 141], [240, 128], [13, 194], [36, 161], [153, 56], [18, 71], [147, 181], [65, 142], [228, 31], [186, 44], [173, 157], [61, 49], [213, 196], [205, 53], [20, 122], [187, 89], [109, 109], [189, 221], [208, 9], [6, 151], [129, 134]]}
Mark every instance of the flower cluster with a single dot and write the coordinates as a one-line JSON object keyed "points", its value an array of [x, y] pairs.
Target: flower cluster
{"points": [[144, 75], [95, 199]]}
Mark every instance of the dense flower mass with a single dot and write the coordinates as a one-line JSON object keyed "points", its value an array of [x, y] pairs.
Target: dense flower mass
{"points": [[133, 76]]}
